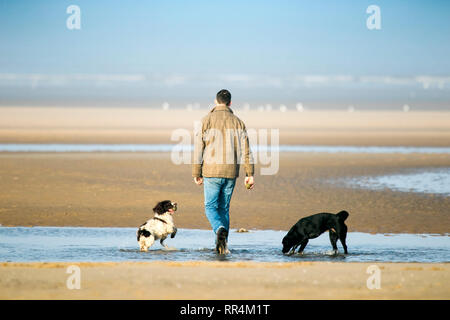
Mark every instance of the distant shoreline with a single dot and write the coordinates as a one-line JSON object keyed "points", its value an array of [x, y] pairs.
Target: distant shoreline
{"points": [[143, 125]]}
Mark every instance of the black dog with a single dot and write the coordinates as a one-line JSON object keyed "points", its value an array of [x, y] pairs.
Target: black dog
{"points": [[313, 226]]}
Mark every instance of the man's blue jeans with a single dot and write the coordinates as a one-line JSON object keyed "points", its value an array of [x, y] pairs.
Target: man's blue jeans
{"points": [[218, 192]]}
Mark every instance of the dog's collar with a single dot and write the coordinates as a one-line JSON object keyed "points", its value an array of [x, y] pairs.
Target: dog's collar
{"points": [[160, 219]]}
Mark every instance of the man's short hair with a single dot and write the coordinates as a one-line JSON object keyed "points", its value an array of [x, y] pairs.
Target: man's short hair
{"points": [[223, 97]]}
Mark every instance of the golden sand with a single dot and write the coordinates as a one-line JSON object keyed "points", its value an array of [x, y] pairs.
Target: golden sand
{"points": [[142, 125], [223, 280], [119, 189]]}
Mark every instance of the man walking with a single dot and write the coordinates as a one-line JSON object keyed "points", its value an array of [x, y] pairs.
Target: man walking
{"points": [[220, 146]]}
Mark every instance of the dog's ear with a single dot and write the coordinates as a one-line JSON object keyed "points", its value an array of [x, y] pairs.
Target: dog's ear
{"points": [[167, 204], [159, 208], [162, 207], [343, 215]]}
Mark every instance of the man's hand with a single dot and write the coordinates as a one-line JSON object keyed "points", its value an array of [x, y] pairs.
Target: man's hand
{"points": [[249, 182], [198, 181]]}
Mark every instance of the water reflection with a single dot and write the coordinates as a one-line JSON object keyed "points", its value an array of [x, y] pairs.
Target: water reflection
{"points": [[119, 244], [435, 181]]}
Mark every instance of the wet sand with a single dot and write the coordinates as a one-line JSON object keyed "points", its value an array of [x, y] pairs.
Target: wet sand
{"points": [[119, 190], [224, 280]]}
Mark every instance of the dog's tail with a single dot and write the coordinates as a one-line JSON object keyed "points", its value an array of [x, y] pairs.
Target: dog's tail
{"points": [[343, 215], [142, 232]]}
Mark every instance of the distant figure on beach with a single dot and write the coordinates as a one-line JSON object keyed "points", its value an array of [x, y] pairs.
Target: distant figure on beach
{"points": [[220, 146]]}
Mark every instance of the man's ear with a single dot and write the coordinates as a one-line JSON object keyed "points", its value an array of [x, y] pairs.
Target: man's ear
{"points": [[215, 102], [230, 103]]}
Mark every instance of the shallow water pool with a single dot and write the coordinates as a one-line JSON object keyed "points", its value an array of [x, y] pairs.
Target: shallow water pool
{"points": [[44, 244], [71, 147], [436, 181]]}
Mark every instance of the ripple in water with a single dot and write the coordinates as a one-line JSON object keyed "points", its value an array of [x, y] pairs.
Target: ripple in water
{"points": [[119, 244]]}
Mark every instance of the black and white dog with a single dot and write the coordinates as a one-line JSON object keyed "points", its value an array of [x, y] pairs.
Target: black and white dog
{"points": [[159, 227], [313, 226]]}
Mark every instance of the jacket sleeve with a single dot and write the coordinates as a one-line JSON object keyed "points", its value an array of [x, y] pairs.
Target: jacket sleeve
{"points": [[247, 153], [199, 147]]}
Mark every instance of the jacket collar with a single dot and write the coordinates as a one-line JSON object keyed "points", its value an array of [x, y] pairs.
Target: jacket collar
{"points": [[221, 107]]}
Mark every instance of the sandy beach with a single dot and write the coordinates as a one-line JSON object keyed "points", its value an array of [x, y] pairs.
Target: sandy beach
{"points": [[143, 125], [224, 280], [346, 108], [119, 190]]}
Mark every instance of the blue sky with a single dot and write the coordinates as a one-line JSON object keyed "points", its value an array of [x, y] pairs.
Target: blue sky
{"points": [[206, 38]]}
